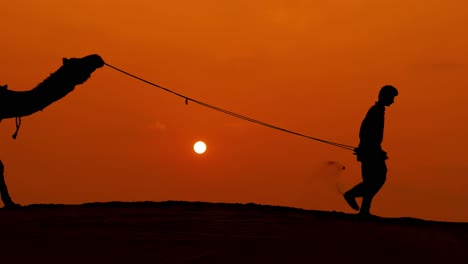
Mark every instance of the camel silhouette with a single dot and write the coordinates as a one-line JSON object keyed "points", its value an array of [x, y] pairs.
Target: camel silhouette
{"points": [[17, 104]]}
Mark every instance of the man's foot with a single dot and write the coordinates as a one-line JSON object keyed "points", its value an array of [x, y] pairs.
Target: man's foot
{"points": [[366, 215], [351, 201]]}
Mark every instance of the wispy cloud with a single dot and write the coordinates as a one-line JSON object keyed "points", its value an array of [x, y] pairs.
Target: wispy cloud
{"points": [[239, 124], [158, 126], [441, 65]]}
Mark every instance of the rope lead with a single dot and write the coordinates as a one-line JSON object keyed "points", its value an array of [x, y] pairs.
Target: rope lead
{"points": [[18, 124], [187, 99]]}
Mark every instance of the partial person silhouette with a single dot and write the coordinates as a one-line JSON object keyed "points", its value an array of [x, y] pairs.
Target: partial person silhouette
{"points": [[370, 153], [16, 104]]}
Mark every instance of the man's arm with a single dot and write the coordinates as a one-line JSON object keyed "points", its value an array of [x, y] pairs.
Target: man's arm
{"points": [[372, 127]]}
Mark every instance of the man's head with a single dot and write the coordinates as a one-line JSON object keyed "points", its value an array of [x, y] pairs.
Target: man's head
{"points": [[387, 95]]}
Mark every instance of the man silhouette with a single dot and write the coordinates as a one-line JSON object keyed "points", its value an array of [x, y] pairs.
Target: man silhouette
{"points": [[370, 153]]}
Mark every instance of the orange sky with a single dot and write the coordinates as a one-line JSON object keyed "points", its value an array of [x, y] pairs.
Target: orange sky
{"points": [[310, 66]]}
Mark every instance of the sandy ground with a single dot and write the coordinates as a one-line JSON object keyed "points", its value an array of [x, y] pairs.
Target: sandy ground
{"points": [[197, 232]]}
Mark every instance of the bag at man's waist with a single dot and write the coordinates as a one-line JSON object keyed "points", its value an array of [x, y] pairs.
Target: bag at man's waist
{"points": [[368, 154]]}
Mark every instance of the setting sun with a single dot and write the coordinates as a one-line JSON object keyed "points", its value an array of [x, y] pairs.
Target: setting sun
{"points": [[199, 147]]}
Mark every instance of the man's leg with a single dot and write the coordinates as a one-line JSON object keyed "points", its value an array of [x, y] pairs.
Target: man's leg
{"points": [[350, 196], [374, 175], [8, 203]]}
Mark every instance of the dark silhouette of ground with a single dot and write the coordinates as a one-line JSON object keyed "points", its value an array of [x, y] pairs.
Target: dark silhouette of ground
{"points": [[200, 232]]}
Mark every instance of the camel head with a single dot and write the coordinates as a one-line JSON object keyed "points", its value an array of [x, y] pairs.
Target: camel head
{"points": [[79, 69]]}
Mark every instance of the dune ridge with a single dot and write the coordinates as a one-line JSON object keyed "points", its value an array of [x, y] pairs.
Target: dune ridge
{"points": [[203, 232]]}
